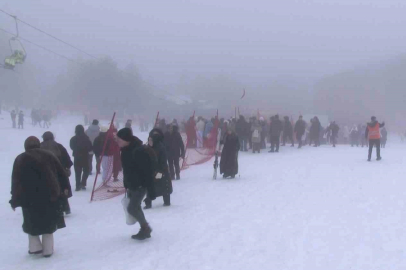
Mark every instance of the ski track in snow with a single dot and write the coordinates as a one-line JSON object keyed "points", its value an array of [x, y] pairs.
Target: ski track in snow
{"points": [[305, 209]]}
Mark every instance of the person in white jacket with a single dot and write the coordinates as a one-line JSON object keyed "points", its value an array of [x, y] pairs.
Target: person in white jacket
{"points": [[199, 132]]}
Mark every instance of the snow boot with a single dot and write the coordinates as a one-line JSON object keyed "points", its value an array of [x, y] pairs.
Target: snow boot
{"points": [[78, 189], [144, 233], [178, 177], [83, 188], [379, 158]]}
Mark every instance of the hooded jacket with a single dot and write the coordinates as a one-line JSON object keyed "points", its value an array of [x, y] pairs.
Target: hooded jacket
{"points": [[81, 144]]}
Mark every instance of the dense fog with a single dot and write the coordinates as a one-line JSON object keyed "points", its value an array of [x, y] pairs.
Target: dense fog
{"points": [[339, 58]]}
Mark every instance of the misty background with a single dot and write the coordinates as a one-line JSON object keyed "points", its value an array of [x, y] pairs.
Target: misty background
{"points": [[344, 59]]}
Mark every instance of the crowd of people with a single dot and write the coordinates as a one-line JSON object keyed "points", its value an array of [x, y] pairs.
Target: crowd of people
{"points": [[40, 178]]}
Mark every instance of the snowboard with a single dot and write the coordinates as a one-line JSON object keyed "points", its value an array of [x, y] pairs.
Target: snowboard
{"points": [[216, 155]]}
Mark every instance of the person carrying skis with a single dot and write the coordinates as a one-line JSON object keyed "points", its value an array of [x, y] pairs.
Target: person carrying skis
{"points": [[374, 136]]}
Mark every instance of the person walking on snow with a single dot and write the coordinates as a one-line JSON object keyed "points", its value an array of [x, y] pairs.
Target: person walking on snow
{"points": [[287, 132], [199, 132], [229, 154], [333, 128], [81, 147], [373, 134], [21, 120], [38, 182], [61, 153], [256, 130], [175, 150], [300, 128], [138, 163], [275, 131], [92, 132], [163, 182]]}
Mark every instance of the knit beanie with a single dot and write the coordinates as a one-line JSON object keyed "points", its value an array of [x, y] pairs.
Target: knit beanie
{"points": [[125, 134]]}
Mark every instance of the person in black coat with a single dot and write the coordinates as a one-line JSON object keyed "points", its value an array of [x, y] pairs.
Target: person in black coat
{"points": [[82, 148], [334, 128], [61, 153], [38, 182], [300, 128], [175, 149], [229, 155], [163, 183], [275, 131], [241, 128], [315, 132], [287, 131], [138, 171]]}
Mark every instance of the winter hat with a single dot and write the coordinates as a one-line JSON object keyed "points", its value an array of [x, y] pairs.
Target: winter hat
{"points": [[48, 136], [104, 129], [125, 134], [373, 118], [32, 142], [95, 122], [79, 130]]}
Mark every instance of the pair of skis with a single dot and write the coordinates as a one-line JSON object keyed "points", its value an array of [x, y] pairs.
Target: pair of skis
{"points": [[216, 156]]}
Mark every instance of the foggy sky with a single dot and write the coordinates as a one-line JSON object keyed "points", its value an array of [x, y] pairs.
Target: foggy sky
{"points": [[253, 41]]}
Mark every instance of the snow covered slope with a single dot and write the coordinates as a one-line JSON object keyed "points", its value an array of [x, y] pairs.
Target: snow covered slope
{"points": [[309, 209]]}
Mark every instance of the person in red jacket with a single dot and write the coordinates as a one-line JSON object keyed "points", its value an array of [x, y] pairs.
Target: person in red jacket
{"points": [[372, 133]]}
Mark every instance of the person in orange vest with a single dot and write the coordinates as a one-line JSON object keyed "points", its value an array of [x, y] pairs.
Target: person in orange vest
{"points": [[372, 133]]}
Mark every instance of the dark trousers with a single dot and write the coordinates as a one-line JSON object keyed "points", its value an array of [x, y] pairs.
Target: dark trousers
{"points": [[81, 172], [134, 208], [91, 163], [288, 136], [275, 142], [20, 125], [14, 123], [377, 143], [174, 167], [299, 139]]}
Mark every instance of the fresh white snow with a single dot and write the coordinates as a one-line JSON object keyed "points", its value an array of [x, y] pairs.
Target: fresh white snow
{"points": [[308, 209]]}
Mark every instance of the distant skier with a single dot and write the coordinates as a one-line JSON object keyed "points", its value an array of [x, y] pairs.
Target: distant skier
{"points": [[364, 141], [13, 118], [229, 155], [384, 134], [300, 128], [287, 131], [275, 131], [374, 137], [21, 120]]}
